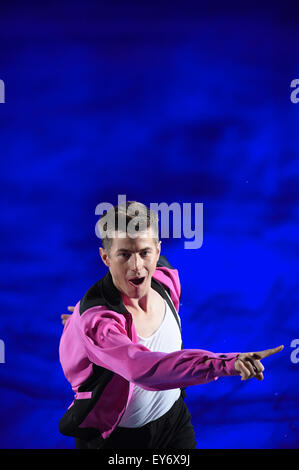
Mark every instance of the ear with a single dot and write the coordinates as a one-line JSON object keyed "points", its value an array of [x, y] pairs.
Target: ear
{"points": [[159, 248], [104, 256]]}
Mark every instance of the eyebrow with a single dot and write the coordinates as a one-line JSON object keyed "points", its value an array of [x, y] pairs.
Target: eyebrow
{"points": [[129, 251]]}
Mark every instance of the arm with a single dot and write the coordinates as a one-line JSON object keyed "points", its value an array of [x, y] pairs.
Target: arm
{"points": [[107, 345]]}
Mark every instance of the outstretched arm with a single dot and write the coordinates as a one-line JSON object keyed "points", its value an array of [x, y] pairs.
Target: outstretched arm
{"points": [[105, 337]]}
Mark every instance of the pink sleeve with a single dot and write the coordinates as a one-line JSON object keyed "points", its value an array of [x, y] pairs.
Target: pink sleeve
{"points": [[107, 345]]}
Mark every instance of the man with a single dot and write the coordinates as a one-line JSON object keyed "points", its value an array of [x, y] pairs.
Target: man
{"points": [[122, 351]]}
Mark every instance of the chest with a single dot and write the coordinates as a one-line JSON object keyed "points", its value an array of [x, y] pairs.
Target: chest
{"points": [[147, 324]]}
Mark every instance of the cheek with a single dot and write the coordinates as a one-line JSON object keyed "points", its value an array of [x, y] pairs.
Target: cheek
{"points": [[117, 273], [121, 275], [152, 268]]}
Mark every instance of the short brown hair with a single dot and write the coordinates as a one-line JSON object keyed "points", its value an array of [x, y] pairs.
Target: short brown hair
{"points": [[125, 213]]}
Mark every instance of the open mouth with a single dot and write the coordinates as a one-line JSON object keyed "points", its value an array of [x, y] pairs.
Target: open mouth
{"points": [[136, 281]]}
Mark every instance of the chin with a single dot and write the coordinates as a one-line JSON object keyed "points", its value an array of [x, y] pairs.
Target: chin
{"points": [[137, 294]]}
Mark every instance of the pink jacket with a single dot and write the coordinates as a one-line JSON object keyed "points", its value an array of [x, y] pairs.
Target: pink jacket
{"points": [[102, 359]]}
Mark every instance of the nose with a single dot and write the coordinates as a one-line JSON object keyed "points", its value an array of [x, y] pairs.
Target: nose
{"points": [[136, 263]]}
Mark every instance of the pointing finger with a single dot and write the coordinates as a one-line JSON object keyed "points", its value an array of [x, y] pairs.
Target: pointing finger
{"points": [[267, 352]]}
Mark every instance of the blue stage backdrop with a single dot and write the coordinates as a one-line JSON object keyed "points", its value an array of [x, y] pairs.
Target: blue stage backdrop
{"points": [[176, 103]]}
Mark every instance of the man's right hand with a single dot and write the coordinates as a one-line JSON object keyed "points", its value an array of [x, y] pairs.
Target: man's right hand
{"points": [[65, 316], [249, 365]]}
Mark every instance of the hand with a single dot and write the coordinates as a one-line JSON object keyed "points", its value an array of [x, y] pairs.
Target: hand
{"points": [[249, 365], [65, 316]]}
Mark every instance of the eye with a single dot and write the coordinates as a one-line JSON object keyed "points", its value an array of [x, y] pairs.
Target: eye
{"points": [[145, 253]]}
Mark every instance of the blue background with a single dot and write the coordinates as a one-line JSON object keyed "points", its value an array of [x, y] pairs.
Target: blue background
{"points": [[169, 103]]}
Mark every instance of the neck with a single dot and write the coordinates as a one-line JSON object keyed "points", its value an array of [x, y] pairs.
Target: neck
{"points": [[139, 304]]}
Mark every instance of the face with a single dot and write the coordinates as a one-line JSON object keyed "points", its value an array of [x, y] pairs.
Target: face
{"points": [[132, 262]]}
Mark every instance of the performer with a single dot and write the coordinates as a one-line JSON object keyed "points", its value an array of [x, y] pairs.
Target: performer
{"points": [[122, 351]]}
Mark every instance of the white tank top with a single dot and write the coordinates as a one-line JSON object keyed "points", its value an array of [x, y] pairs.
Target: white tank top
{"points": [[146, 405]]}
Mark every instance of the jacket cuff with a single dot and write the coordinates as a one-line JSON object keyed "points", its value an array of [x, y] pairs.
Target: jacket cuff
{"points": [[225, 364]]}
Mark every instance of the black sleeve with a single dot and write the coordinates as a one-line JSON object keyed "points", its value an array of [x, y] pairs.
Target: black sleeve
{"points": [[162, 262]]}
